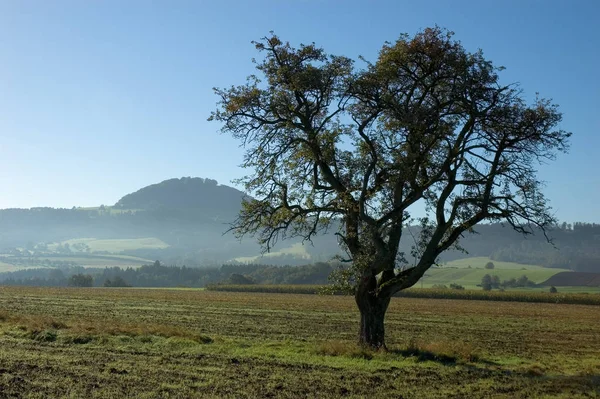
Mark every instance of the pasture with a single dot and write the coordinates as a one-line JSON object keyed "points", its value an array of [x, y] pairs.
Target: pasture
{"points": [[108, 343], [116, 245], [468, 272], [297, 250]]}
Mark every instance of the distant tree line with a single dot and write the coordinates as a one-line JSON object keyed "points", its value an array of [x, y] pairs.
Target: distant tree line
{"points": [[158, 275], [489, 282]]}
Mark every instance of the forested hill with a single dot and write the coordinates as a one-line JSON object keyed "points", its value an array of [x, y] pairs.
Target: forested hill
{"points": [[575, 246], [187, 192], [190, 215]]}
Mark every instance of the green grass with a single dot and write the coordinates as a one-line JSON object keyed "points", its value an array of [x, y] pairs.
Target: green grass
{"points": [[107, 343], [480, 262], [102, 260], [117, 245], [470, 278], [297, 250]]}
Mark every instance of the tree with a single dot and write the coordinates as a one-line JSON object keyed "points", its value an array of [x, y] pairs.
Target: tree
{"points": [[486, 282], [489, 265], [236, 278], [81, 280], [331, 146], [118, 281]]}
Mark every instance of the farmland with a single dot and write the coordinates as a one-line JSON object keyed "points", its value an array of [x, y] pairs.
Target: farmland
{"points": [[189, 343], [116, 245], [469, 271], [14, 263]]}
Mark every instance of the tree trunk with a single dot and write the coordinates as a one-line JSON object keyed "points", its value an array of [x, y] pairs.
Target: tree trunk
{"points": [[372, 313]]}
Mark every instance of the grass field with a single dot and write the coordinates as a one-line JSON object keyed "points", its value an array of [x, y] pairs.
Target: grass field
{"points": [[458, 272], [480, 262], [117, 245], [7, 267], [109, 343], [103, 260], [297, 250]]}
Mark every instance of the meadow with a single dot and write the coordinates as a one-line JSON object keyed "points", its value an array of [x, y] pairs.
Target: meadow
{"points": [[116, 245], [468, 272], [108, 343]]}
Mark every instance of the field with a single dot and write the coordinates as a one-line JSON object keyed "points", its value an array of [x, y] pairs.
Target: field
{"points": [[297, 250], [110, 343], [21, 263], [565, 295], [117, 245], [480, 262], [8, 267], [103, 260], [458, 272]]}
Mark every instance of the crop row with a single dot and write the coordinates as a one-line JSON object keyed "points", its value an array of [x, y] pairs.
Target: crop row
{"points": [[509, 296]]}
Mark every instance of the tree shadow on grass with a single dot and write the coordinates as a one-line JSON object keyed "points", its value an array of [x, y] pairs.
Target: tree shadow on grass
{"points": [[426, 355]]}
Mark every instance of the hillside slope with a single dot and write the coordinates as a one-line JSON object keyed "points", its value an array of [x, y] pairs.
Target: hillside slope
{"points": [[186, 192]]}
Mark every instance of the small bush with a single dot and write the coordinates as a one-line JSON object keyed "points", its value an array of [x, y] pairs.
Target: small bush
{"points": [[4, 316], [553, 290], [489, 265], [454, 286], [204, 339], [43, 336], [80, 339]]}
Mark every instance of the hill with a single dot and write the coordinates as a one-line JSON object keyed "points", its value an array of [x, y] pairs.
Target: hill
{"points": [[574, 279], [187, 192], [183, 221]]}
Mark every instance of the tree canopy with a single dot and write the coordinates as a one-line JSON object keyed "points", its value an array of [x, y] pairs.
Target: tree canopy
{"points": [[332, 145]]}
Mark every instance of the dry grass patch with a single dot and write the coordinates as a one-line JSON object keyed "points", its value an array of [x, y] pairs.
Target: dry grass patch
{"points": [[43, 328], [135, 329], [344, 348]]}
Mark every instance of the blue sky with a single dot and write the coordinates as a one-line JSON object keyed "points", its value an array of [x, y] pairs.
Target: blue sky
{"points": [[100, 98]]}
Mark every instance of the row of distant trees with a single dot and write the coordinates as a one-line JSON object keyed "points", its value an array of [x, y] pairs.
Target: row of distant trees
{"points": [[158, 275], [489, 282]]}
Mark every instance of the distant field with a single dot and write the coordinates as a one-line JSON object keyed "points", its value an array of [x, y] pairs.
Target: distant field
{"points": [[7, 267], [117, 245], [470, 278], [297, 250], [480, 262], [81, 260], [458, 272], [113, 343], [103, 260]]}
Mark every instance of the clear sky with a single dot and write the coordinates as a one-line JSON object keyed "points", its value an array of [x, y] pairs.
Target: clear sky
{"points": [[100, 98]]}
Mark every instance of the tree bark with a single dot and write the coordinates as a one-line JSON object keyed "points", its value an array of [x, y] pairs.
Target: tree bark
{"points": [[372, 314]]}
